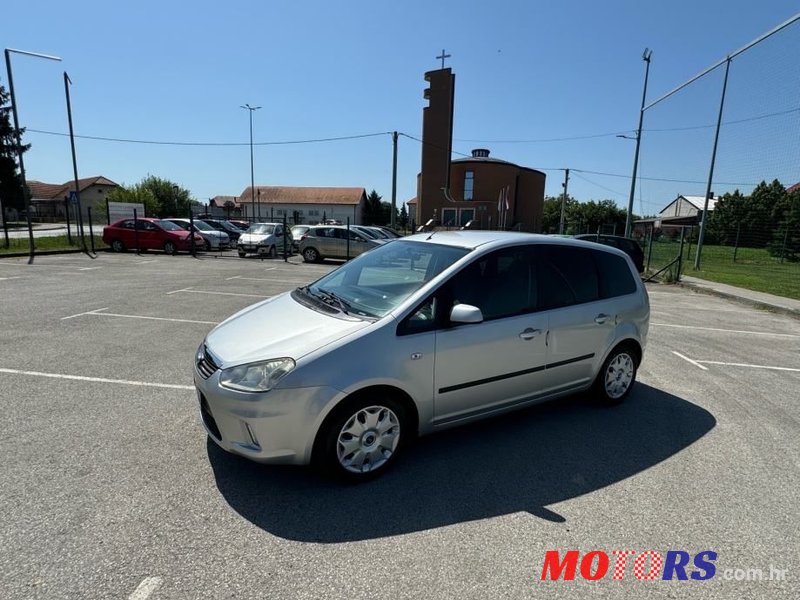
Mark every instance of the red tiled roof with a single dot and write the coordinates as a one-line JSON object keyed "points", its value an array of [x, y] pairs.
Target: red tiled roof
{"points": [[220, 201], [274, 194], [44, 191], [412, 201], [57, 191], [793, 189]]}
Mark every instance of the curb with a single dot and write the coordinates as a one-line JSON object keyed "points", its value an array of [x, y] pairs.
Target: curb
{"points": [[741, 300]]}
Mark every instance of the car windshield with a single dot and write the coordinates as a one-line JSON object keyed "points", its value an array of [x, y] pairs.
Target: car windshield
{"points": [[261, 229], [376, 282], [203, 226], [169, 226]]}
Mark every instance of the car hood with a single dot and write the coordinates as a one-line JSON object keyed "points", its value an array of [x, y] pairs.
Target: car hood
{"points": [[254, 238], [276, 328]]}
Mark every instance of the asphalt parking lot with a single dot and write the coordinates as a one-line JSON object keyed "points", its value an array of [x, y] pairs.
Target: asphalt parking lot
{"points": [[111, 490]]}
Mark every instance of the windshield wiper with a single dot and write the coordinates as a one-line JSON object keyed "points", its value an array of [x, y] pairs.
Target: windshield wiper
{"points": [[335, 299]]}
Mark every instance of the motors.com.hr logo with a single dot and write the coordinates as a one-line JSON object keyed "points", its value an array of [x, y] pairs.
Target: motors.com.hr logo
{"points": [[646, 566]]}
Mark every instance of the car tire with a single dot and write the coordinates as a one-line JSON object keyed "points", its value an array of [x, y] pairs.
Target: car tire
{"points": [[117, 245], [207, 246], [170, 248], [311, 255], [361, 438], [615, 380], [242, 254], [273, 251]]}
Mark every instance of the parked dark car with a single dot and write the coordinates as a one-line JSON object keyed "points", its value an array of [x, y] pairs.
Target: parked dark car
{"points": [[627, 245], [149, 234], [232, 230]]}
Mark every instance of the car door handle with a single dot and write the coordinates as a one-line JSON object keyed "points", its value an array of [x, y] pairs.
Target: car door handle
{"points": [[529, 333], [601, 318]]}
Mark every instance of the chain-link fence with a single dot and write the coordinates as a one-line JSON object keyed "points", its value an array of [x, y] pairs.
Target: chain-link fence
{"points": [[732, 135]]}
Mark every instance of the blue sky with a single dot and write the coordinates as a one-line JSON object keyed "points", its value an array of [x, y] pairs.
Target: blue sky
{"points": [[178, 71]]}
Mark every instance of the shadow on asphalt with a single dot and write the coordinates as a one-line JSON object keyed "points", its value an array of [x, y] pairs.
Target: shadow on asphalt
{"points": [[524, 461]]}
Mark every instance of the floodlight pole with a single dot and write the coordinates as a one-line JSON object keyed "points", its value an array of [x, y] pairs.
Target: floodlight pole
{"points": [[18, 135], [704, 220], [252, 109], [629, 217]]}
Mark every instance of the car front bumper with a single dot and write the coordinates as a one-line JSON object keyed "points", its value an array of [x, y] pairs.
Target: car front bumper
{"points": [[276, 427]]}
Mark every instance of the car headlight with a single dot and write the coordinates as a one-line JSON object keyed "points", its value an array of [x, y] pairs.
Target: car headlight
{"points": [[256, 377]]}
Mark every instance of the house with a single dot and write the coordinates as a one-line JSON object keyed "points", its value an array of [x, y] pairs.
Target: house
{"points": [[684, 211], [49, 200], [224, 207], [303, 204], [478, 191]]}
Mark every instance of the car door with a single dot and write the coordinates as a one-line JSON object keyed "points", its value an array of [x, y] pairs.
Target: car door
{"points": [[358, 243], [581, 324], [149, 237], [498, 363]]}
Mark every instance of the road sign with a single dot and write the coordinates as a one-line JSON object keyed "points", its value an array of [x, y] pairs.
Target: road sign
{"points": [[73, 197]]}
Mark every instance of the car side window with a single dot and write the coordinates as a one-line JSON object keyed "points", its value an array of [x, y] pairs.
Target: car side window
{"points": [[146, 226], [423, 319], [568, 275], [129, 224], [615, 275], [501, 284]]}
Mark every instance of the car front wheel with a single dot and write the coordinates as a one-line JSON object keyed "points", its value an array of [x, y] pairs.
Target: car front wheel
{"points": [[362, 438], [170, 248], [117, 246], [311, 255], [615, 380]]}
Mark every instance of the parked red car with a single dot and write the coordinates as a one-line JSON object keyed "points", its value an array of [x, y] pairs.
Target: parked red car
{"points": [[149, 234]]}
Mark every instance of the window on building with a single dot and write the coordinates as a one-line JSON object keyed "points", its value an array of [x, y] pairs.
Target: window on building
{"points": [[469, 184], [465, 216], [449, 217]]}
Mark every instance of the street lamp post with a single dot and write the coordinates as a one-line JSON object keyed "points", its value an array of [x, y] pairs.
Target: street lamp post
{"points": [[251, 110], [18, 135], [629, 218]]}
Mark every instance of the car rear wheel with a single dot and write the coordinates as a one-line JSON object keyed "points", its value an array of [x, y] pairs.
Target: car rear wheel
{"points": [[311, 255], [207, 246], [615, 380], [170, 248], [117, 246], [242, 253], [273, 252], [362, 437]]}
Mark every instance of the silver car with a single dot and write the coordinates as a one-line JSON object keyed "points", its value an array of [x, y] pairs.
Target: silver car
{"points": [[425, 333], [264, 239], [331, 241], [213, 239]]}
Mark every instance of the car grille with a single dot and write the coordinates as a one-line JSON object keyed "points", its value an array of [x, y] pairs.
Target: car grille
{"points": [[208, 418], [206, 365]]}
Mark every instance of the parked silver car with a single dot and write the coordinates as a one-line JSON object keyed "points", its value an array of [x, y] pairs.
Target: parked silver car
{"points": [[425, 333], [331, 241], [264, 238], [213, 239]]}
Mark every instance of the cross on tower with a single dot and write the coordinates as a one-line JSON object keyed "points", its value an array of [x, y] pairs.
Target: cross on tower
{"points": [[443, 56]]}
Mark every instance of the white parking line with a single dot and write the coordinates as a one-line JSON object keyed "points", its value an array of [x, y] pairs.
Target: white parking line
{"points": [[15, 277], [730, 364], [147, 587], [689, 360], [88, 312], [191, 291], [171, 386], [89, 268], [144, 262], [100, 312], [767, 333], [281, 280]]}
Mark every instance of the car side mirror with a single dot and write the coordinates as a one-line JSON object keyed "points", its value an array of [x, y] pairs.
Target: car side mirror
{"points": [[465, 313]]}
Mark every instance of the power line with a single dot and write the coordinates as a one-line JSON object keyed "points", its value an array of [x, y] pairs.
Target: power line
{"points": [[411, 137], [664, 179], [170, 143], [594, 183]]}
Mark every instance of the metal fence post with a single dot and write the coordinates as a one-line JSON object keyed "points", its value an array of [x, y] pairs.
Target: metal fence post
{"points": [[66, 213], [736, 243], [348, 238], [285, 238], [650, 246], [785, 238], [680, 255], [136, 230], [91, 231], [191, 233]]}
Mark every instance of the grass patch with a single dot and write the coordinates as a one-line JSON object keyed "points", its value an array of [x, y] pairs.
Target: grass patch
{"points": [[754, 268], [47, 244]]}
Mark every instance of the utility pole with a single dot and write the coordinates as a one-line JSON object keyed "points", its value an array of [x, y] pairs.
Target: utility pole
{"points": [[67, 83], [394, 180], [564, 202], [252, 109], [709, 194], [629, 218]]}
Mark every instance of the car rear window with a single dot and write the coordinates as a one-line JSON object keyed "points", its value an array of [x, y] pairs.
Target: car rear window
{"points": [[615, 275]]}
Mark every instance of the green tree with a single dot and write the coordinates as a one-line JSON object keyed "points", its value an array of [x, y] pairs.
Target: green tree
{"points": [[403, 218], [373, 211], [11, 193], [161, 197]]}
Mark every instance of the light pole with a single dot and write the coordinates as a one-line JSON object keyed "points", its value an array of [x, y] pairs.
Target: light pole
{"points": [[251, 110], [18, 135], [628, 219]]}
